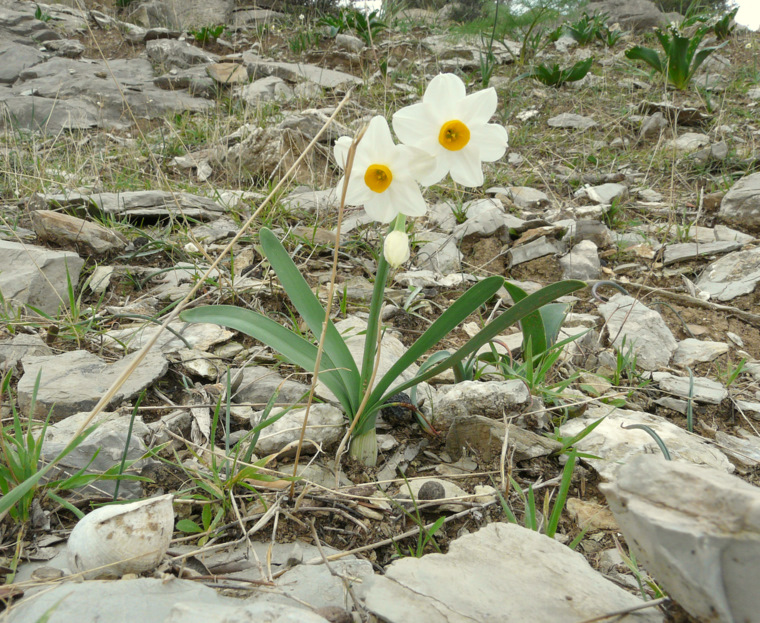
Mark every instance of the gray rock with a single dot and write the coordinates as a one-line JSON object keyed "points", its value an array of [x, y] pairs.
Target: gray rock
{"points": [[639, 15], [702, 389], [605, 194], [467, 584], [22, 345], [485, 437], [325, 427], [108, 440], [593, 231], [37, 276], [97, 600], [267, 89], [654, 124], [688, 142], [68, 48], [249, 18], [65, 230], [79, 94], [582, 262], [202, 335], [296, 72], [181, 14], [349, 42], [540, 247], [486, 217], [684, 251], [741, 204], [14, 58], [257, 384], [696, 530], [194, 80], [525, 197], [692, 351], [312, 201], [489, 399], [643, 329], [572, 121], [441, 254], [734, 275], [616, 445], [744, 450], [75, 381]]}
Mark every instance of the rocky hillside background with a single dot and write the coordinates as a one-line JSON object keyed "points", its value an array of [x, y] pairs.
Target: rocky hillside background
{"points": [[141, 139]]}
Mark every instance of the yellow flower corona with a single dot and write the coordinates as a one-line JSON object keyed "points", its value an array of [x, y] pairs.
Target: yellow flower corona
{"points": [[454, 135], [378, 177]]}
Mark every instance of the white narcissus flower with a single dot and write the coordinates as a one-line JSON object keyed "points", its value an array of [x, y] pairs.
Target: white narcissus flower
{"points": [[384, 175], [396, 248], [453, 127]]}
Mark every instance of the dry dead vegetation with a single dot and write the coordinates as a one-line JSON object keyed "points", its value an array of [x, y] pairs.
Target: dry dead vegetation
{"points": [[360, 516]]}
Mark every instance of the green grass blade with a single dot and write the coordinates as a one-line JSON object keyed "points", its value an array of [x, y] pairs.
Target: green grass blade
{"points": [[293, 347], [515, 313], [308, 305], [449, 320], [564, 488]]}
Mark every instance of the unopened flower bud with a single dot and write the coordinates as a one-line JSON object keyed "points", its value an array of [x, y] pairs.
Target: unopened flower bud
{"points": [[396, 248]]}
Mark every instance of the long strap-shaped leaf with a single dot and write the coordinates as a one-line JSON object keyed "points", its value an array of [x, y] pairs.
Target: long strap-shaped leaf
{"points": [[295, 348], [517, 312], [448, 320], [308, 305]]}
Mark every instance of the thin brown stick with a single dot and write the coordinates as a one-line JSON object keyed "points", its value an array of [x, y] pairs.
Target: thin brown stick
{"points": [[623, 611]]}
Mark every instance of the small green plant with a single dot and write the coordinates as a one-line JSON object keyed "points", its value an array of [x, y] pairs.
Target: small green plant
{"points": [[207, 34], [533, 35], [587, 28], [555, 77], [723, 27], [609, 36], [303, 40], [366, 26], [731, 372], [641, 576], [533, 520], [41, 15], [425, 536], [681, 56]]}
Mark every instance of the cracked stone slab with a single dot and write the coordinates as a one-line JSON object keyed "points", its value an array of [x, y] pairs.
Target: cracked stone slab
{"points": [[615, 445], [685, 251], [75, 381], [297, 72], [731, 276], [695, 529], [702, 389], [503, 573]]}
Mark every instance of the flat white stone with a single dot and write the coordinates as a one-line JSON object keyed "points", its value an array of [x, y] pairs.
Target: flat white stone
{"points": [[691, 351]]}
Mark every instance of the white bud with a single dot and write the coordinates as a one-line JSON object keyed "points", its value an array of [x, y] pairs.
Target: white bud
{"points": [[396, 248]]}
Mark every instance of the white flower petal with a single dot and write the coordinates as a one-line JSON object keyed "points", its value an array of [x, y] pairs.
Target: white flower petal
{"points": [[444, 88], [341, 150], [478, 108], [379, 208], [466, 170], [491, 139], [357, 193], [413, 124], [407, 199], [437, 173], [377, 140]]}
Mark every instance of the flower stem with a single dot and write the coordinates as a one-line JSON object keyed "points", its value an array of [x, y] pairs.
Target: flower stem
{"points": [[364, 447]]}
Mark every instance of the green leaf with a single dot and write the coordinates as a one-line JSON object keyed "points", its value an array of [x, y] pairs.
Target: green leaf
{"points": [[446, 322], [649, 56], [293, 347], [308, 305], [516, 313], [564, 487], [188, 526]]}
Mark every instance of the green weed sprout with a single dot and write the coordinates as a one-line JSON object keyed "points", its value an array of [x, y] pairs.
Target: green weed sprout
{"points": [[723, 27], [384, 178], [555, 77], [681, 56], [587, 28]]}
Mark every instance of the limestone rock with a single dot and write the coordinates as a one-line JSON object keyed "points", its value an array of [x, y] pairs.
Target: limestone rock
{"points": [[642, 328], [37, 276], [65, 230], [696, 530], [732, 275], [468, 583], [692, 351], [741, 204], [582, 262], [490, 399], [572, 121], [76, 380], [616, 445], [325, 427]]}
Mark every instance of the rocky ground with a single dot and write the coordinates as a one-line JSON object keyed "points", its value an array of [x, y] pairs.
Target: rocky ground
{"points": [[132, 154]]}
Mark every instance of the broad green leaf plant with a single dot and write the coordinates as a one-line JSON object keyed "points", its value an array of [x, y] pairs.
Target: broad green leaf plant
{"points": [[448, 133], [681, 56]]}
